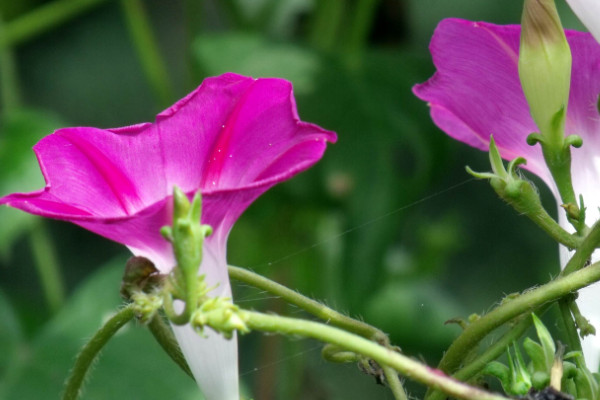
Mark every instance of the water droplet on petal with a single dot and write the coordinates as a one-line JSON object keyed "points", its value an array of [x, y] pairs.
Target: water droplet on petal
{"points": [[231, 156], [270, 144], [214, 183], [222, 126]]}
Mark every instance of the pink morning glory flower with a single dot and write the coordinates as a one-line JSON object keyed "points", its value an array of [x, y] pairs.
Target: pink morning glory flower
{"points": [[232, 138], [476, 92]]}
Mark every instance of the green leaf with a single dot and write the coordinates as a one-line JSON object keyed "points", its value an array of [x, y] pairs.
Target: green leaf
{"points": [[413, 313], [132, 366], [19, 131], [256, 56]]}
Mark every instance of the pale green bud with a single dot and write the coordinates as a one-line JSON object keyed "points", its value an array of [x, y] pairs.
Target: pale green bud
{"points": [[545, 67]]}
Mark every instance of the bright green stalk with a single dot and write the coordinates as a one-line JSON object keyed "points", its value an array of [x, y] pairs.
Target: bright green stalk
{"points": [[352, 342], [42, 19], [47, 267], [309, 305], [147, 49], [393, 381], [91, 350]]}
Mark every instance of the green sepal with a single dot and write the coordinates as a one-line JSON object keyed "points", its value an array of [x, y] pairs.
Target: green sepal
{"points": [[540, 380], [480, 175], [534, 138], [536, 354], [585, 382], [546, 341], [574, 140], [519, 375], [500, 371]]}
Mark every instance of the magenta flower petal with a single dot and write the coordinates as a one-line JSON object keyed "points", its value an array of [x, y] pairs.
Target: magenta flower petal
{"points": [[476, 92], [232, 138]]}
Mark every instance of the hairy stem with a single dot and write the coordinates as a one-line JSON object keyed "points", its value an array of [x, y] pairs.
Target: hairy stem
{"points": [[91, 350], [382, 355], [393, 381], [309, 305], [526, 302]]}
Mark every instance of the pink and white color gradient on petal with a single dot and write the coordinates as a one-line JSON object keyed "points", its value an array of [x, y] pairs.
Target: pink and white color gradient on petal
{"points": [[233, 138], [476, 92]]}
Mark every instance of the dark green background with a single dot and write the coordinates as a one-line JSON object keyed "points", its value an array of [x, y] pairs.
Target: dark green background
{"points": [[387, 227]]}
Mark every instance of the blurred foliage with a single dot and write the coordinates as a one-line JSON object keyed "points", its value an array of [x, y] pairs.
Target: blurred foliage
{"points": [[387, 226]]}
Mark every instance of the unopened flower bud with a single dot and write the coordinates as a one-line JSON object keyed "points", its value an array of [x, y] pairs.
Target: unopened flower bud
{"points": [[545, 67]]}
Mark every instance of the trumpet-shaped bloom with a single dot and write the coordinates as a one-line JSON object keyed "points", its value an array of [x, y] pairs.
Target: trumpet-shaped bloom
{"points": [[476, 92], [232, 138]]}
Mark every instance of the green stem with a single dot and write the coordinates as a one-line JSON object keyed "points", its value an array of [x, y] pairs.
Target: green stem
{"points": [[336, 354], [47, 267], [382, 355], [542, 219], [182, 318], [309, 305], [91, 350], [393, 381], [164, 336], [145, 44], [558, 159], [42, 19], [570, 327], [526, 302], [584, 251]]}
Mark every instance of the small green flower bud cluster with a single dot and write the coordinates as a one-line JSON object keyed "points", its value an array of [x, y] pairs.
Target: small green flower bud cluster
{"points": [[146, 305], [220, 314]]}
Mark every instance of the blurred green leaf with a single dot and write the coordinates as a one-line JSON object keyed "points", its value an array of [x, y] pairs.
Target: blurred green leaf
{"points": [[256, 56], [413, 313], [132, 366], [10, 336], [19, 131]]}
